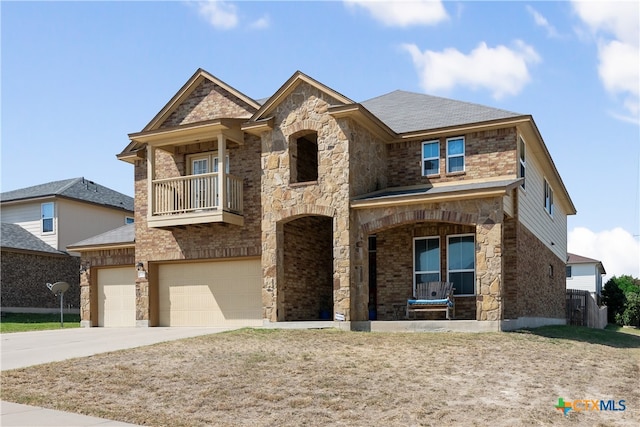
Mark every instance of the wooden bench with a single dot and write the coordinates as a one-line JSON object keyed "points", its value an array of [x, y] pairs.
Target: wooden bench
{"points": [[432, 296]]}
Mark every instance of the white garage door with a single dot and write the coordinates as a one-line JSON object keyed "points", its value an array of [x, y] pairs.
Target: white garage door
{"points": [[117, 297], [222, 293]]}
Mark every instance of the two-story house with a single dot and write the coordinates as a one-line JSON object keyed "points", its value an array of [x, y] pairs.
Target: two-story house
{"points": [[584, 274], [309, 203], [38, 223]]}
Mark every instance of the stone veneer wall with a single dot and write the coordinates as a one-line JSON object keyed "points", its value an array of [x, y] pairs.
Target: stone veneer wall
{"points": [[308, 268], [24, 276], [305, 109], [487, 154], [485, 215], [88, 280], [395, 264]]}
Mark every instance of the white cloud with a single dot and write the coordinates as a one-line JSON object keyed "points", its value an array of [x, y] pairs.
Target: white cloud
{"points": [[618, 250], [616, 27], [502, 70], [219, 14], [403, 13], [541, 21], [261, 23]]}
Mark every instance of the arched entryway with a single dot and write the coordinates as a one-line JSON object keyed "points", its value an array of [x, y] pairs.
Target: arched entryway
{"points": [[305, 288]]}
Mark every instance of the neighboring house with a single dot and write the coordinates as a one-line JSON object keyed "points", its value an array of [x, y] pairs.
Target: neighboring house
{"points": [[38, 223], [310, 203], [584, 273]]}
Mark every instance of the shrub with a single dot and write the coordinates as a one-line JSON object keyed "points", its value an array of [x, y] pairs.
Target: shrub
{"points": [[631, 314]]}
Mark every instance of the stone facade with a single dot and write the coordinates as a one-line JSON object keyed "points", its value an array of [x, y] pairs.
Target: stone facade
{"points": [[24, 276]]}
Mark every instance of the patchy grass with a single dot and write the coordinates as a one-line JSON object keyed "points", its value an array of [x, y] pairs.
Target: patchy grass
{"points": [[326, 377], [24, 322], [623, 329]]}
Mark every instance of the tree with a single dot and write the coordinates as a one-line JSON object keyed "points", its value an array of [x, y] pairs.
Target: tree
{"points": [[613, 297], [621, 295], [631, 314]]}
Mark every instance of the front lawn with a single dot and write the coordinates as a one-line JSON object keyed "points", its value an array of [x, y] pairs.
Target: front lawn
{"points": [[23, 322], [256, 377]]}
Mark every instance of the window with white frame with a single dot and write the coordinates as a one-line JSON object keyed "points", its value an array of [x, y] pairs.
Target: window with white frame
{"points": [[548, 198], [455, 155], [430, 158], [523, 160], [461, 263], [426, 266], [47, 211]]}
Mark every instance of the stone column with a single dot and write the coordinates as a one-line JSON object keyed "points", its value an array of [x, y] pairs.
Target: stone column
{"points": [[85, 298], [142, 297], [489, 270]]}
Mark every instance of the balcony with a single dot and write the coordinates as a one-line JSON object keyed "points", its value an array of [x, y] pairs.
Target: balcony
{"points": [[195, 199]]}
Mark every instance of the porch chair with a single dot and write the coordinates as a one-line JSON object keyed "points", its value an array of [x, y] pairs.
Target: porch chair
{"points": [[433, 296]]}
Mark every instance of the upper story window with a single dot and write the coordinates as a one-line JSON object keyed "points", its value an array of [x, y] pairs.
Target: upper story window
{"points": [[304, 158], [455, 155], [548, 198], [523, 160], [430, 158], [47, 211], [205, 163], [128, 220], [569, 272]]}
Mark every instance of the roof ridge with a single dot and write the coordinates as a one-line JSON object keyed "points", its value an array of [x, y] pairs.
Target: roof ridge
{"points": [[71, 183]]}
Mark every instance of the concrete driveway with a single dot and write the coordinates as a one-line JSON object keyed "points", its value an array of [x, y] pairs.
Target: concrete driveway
{"points": [[22, 349]]}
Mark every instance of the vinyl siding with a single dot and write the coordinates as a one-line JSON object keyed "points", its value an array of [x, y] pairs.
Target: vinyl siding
{"points": [[532, 212], [583, 277], [27, 215]]}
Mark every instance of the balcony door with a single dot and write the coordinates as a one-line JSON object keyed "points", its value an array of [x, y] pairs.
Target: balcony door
{"points": [[204, 190]]}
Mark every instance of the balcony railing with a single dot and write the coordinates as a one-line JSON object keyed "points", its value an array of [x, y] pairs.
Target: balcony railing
{"points": [[195, 193]]}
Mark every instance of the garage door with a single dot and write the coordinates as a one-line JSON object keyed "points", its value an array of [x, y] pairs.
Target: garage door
{"points": [[117, 297], [223, 293]]}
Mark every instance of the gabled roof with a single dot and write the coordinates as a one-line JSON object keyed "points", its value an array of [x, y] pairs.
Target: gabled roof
{"points": [[77, 189], [14, 237], [297, 78], [410, 112], [120, 236], [579, 259]]}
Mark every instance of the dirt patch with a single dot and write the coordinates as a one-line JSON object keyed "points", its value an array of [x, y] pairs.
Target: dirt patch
{"points": [[327, 377]]}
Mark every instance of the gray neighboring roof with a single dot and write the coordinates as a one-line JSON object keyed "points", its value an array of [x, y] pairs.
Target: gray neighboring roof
{"points": [[76, 188], [15, 237], [409, 112], [391, 193], [120, 235]]}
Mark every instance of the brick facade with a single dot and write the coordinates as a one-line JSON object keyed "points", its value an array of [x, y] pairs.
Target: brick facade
{"points": [[24, 276]]}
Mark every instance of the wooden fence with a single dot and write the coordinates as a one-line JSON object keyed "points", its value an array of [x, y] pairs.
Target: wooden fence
{"points": [[583, 310]]}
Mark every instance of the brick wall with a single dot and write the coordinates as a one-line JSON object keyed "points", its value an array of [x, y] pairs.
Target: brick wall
{"points": [[540, 293], [487, 154], [395, 266], [308, 268], [24, 277]]}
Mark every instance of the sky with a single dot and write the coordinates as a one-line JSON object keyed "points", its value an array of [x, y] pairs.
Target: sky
{"points": [[78, 77]]}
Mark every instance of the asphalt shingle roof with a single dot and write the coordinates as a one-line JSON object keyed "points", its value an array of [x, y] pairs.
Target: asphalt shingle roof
{"points": [[124, 234], [75, 188], [409, 112], [15, 237]]}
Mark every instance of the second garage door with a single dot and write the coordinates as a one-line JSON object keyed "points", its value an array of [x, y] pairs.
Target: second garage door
{"points": [[221, 293], [117, 296]]}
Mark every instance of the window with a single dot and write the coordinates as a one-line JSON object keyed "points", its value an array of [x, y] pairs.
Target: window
{"points": [[548, 198], [461, 258], [455, 155], [569, 272], [426, 266], [523, 161], [304, 158], [430, 158], [128, 220], [47, 213]]}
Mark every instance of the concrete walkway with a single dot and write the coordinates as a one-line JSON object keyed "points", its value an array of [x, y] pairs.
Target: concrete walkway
{"points": [[23, 349]]}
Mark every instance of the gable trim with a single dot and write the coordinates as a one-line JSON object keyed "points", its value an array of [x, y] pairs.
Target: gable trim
{"points": [[288, 87], [186, 90]]}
